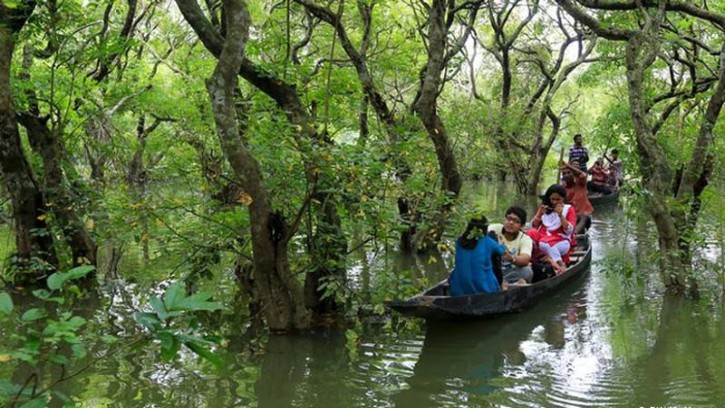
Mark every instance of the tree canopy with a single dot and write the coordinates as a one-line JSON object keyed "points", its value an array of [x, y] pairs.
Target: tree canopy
{"points": [[280, 136]]}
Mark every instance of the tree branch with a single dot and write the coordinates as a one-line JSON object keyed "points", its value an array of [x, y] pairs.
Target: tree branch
{"points": [[580, 15]]}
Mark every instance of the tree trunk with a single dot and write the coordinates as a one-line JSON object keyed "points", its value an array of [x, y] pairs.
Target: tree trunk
{"points": [[394, 129], [33, 240], [278, 288], [46, 143], [283, 93], [96, 129], [532, 188], [695, 176], [541, 149], [425, 106], [330, 248], [657, 175], [674, 225]]}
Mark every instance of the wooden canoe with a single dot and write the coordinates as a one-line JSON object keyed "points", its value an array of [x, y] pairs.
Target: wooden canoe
{"points": [[599, 200], [437, 304]]}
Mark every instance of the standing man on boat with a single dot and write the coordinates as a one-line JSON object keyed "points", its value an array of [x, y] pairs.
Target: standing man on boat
{"points": [[575, 182], [516, 261], [578, 153]]}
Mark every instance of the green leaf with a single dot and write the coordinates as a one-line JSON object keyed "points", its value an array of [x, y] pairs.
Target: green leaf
{"points": [[6, 303], [59, 359], [8, 389], [78, 350], [75, 290], [38, 402], [198, 302], [33, 314], [44, 294], [41, 294], [170, 345], [109, 339], [174, 294], [159, 308], [76, 322], [27, 356], [204, 353], [11, 4], [56, 280], [148, 320]]}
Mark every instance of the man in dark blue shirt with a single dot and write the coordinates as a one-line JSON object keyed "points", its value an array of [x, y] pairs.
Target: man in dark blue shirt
{"points": [[579, 153]]}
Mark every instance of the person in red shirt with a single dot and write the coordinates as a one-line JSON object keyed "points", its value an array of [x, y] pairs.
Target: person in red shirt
{"points": [[598, 184], [575, 182]]}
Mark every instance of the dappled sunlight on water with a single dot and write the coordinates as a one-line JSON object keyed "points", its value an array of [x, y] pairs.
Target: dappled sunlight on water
{"points": [[599, 341]]}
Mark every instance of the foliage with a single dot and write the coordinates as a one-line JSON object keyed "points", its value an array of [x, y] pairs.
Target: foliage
{"points": [[164, 325], [396, 285], [174, 220], [144, 169], [54, 334], [46, 335], [624, 267]]}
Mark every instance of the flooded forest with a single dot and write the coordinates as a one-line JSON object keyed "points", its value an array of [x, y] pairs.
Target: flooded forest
{"points": [[210, 203]]}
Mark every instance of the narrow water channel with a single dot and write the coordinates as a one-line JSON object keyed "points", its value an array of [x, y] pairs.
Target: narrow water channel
{"points": [[595, 343]]}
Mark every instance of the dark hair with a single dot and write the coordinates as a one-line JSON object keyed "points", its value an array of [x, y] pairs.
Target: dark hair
{"points": [[470, 236], [577, 135], [517, 211], [615, 151], [546, 199]]}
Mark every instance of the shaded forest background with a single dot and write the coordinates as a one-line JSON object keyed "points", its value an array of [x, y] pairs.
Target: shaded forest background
{"points": [[274, 138]]}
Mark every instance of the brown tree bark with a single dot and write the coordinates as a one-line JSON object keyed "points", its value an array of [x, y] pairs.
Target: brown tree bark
{"points": [[59, 201], [278, 289], [289, 101], [47, 143], [699, 169], [541, 150], [33, 241], [504, 39], [425, 106]]}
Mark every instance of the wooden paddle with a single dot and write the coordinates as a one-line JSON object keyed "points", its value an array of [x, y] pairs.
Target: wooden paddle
{"points": [[558, 166], [606, 148]]}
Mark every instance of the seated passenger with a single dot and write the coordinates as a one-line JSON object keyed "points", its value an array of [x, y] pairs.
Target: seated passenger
{"points": [[598, 183], [615, 170], [515, 262], [574, 180], [473, 272], [553, 227]]}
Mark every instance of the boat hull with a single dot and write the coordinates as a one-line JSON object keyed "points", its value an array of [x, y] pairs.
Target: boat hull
{"points": [[436, 304], [600, 200]]}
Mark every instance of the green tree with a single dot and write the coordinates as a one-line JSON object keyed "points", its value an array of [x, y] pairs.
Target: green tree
{"points": [[33, 241], [533, 72], [678, 34]]}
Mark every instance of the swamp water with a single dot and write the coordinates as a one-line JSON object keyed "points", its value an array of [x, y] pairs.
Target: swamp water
{"points": [[595, 342]]}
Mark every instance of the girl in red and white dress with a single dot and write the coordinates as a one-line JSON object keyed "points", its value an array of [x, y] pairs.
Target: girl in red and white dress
{"points": [[553, 227]]}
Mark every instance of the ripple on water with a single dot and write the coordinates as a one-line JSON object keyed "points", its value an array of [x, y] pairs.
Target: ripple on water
{"points": [[397, 359], [551, 390], [690, 390]]}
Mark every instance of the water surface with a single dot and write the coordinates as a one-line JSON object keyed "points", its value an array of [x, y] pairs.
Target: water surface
{"points": [[597, 342]]}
